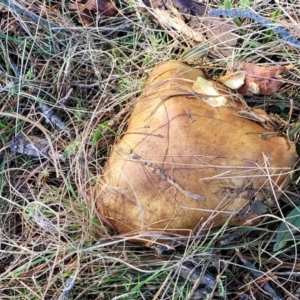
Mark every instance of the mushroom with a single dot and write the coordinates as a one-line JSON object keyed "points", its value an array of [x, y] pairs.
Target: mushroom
{"points": [[187, 159]]}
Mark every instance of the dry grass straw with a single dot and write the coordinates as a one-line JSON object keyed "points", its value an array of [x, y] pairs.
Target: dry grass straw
{"points": [[89, 76]]}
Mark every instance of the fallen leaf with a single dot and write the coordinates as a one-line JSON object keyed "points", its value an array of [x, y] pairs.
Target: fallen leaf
{"points": [[100, 6], [175, 21], [88, 9], [187, 21], [50, 117], [260, 79], [33, 146], [221, 34]]}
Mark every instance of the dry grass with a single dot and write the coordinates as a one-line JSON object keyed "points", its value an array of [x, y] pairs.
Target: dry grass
{"points": [[89, 76]]}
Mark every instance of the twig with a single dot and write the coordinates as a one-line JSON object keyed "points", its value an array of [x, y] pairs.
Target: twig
{"points": [[289, 115], [231, 237], [257, 273], [161, 174], [284, 34], [265, 121], [195, 275], [65, 99], [17, 8]]}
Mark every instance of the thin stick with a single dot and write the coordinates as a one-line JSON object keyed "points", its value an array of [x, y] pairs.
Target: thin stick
{"points": [[257, 273], [161, 174], [17, 8], [233, 13]]}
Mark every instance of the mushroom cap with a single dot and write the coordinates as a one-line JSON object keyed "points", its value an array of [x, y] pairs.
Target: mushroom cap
{"points": [[182, 162]]}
